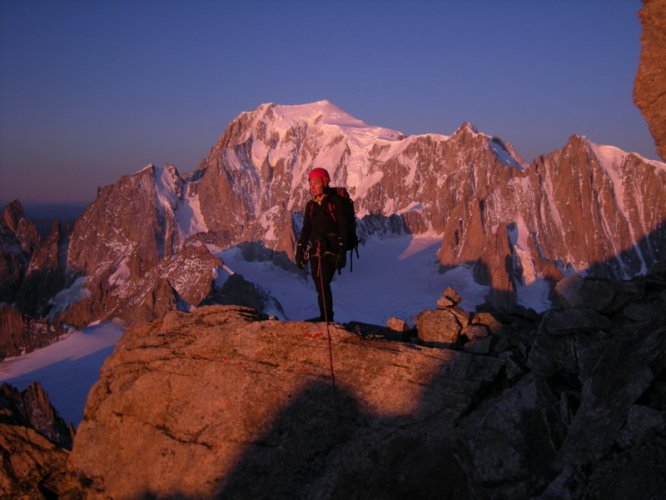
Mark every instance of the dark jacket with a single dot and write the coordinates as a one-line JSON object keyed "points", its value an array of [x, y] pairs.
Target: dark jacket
{"points": [[325, 224]]}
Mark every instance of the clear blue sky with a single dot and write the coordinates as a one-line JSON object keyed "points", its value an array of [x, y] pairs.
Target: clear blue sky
{"points": [[91, 90]]}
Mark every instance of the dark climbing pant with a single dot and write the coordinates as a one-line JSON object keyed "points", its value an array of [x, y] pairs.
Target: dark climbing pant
{"points": [[322, 282]]}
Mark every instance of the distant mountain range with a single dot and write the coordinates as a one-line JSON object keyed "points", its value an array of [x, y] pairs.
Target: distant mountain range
{"points": [[143, 246]]}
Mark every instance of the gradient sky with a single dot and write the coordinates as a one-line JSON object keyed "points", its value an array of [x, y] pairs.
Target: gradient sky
{"points": [[91, 90]]}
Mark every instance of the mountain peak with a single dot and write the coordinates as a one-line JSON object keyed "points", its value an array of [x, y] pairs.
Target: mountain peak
{"points": [[466, 127], [322, 112], [607, 154]]}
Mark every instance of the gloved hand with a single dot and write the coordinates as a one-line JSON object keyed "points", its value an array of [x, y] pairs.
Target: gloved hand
{"points": [[342, 254], [300, 260], [340, 259]]}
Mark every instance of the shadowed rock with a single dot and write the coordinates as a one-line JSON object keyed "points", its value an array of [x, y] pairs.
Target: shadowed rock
{"points": [[33, 444]]}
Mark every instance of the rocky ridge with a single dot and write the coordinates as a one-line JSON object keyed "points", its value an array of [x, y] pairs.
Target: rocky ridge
{"points": [[31, 273], [568, 404]]}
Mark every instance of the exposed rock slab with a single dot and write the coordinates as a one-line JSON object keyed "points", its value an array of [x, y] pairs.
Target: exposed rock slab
{"points": [[224, 402]]}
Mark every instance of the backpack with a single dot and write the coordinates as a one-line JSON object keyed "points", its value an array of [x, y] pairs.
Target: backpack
{"points": [[350, 214]]}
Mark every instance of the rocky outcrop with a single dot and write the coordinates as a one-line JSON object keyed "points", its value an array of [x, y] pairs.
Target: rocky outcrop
{"points": [[32, 408], [182, 280], [33, 442], [15, 221], [140, 251], [650, 83], [222, 401], [240, 292], [233, 397]]}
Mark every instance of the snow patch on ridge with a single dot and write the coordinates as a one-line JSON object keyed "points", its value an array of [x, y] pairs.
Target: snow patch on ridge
{"points": [[611, 160], [412, 207], [325, 112], [518, 237], [188, 216], [535, 295], [120, 275], [341, 140], [76, 292], [370, 293], [268, 225], [504, 156], [181, 210]]}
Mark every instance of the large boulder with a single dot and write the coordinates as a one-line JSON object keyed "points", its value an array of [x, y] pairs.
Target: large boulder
{"points": [[438, 327], [570, 321]]}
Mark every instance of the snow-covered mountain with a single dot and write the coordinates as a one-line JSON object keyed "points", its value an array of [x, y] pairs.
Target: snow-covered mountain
{"points": [[517, 227]]}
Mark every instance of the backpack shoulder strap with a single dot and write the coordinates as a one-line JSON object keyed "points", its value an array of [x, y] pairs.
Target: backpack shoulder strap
{"points": [[309, 209], [331, 210]]}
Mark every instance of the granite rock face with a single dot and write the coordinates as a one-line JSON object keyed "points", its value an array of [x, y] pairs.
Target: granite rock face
{"points": [[230, 398], [650, 83]]}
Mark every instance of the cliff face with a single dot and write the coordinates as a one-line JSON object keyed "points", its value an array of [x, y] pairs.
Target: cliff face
{"points": [[18, 239], [120, 231], [650, 83]]}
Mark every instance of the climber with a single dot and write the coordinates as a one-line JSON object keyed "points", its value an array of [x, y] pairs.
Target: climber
{"points": [[323, 240]]}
